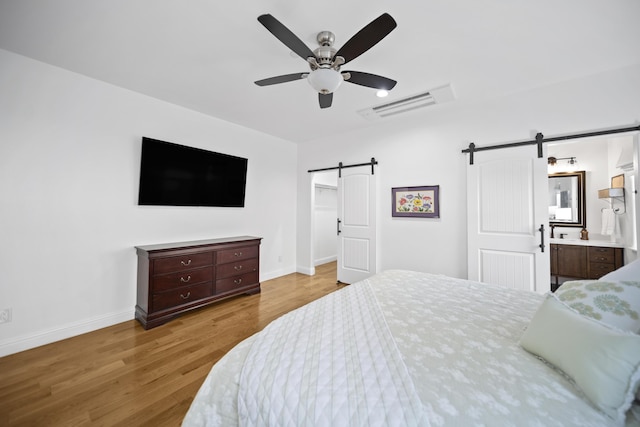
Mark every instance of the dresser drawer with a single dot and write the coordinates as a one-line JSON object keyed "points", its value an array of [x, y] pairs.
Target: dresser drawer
{"points": [[232, 283], [240, 253], [600, 254], [597, 269], [183, 262], [182, 278], [181, 296], [237, 268]]}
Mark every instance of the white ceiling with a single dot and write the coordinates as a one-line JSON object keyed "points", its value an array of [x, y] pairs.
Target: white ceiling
{"points": [[206, 54]]}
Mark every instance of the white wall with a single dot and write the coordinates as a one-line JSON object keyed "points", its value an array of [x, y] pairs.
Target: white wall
{"points": [[69, 165], [406, 157], [424, 148]]}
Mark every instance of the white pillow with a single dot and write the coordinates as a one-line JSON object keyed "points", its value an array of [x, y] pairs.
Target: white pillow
{"points": [[603, 362], [616, 303], [630, 271]]}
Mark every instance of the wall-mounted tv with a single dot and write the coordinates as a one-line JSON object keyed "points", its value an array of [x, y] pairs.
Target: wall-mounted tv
{"points": [[177, 175]]}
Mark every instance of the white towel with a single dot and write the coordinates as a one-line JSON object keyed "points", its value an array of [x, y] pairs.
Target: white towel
{"points": [[617, 233], [608, 222]]}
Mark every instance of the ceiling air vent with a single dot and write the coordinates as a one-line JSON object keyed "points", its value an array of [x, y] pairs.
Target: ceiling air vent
{"points": [[410, 103]]}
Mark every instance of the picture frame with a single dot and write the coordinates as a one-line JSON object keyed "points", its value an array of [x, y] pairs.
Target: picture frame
{"points": [[416, 202]]}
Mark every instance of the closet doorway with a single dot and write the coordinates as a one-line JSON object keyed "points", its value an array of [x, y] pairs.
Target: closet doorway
{"points": [[325, 213], [344, 227]]}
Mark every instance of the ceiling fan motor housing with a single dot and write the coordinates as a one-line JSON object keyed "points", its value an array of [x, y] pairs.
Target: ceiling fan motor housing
{"points": [[325, 53]]}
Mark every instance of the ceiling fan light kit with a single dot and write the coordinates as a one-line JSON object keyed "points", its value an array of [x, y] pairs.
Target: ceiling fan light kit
{"points": [[325, 80], [325, 61]]}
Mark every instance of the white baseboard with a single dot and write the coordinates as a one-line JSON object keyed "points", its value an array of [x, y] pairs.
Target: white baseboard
{"points": [[26, 342], [325, 260], [276, 273], [308, 271]]}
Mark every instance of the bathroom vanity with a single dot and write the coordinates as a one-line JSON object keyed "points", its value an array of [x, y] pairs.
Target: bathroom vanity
{"points": [[583, 259]]}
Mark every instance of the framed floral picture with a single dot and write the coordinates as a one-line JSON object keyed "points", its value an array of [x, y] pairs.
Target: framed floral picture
{"points": [[419, 202]]}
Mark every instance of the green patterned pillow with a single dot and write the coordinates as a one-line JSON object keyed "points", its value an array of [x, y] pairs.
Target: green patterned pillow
{"points": [[616, 303]]}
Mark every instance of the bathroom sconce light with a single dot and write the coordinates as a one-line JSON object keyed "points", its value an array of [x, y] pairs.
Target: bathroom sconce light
{"points": [[572, 161]]}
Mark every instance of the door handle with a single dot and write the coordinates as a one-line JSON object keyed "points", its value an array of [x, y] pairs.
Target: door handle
{"points": [[541, 230], [339, 231]]}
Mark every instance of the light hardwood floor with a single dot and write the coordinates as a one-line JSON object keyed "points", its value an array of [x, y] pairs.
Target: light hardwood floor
{"points": [[124, 375]]}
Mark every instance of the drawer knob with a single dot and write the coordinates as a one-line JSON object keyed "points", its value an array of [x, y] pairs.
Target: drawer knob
{"points": [[237, 281], [237, 267], [183, 280], [238, 253], [186, 263], [185, 296]]}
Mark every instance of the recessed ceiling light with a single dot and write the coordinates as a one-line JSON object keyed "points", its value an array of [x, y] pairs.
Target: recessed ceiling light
{"points": [[382, 93]]}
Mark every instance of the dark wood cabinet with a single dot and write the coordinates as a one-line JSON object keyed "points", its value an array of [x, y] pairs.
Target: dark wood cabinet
{"points": [[603, 260], [582, 262], [177, 277], [571, 260]]}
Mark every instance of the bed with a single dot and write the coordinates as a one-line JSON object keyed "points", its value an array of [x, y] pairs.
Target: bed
{"points": [[404, 348]]}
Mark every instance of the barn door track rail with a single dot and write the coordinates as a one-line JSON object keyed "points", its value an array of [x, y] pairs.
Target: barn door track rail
{"points": [[540, 139], [340, 166]]}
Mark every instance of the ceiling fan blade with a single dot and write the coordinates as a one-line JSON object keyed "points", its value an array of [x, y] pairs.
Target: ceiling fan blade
{"points": [[325, 100], [285, 35], [367, 37], [369, 80], [281, 79]]}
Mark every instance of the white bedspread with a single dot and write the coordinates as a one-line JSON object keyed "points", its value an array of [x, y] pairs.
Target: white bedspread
{"points": [[458, 341], [331, 363]]}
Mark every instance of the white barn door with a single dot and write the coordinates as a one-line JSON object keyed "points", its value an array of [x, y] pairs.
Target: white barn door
{"points": [[356, 225], [507, 205]]}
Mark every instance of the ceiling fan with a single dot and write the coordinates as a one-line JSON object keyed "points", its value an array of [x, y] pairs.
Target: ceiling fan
{"points": [[325, 61]]}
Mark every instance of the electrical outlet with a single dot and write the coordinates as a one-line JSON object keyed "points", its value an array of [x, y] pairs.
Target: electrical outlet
{"points": [[5, 315]]}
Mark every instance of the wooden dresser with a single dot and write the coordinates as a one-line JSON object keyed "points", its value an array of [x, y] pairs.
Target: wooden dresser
{"points": [[583, 262], [177, 277]]}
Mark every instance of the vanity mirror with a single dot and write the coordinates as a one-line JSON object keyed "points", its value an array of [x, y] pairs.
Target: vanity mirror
{"points": [[567, 199]]}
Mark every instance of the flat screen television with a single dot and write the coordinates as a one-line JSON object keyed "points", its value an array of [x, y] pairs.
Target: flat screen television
{"points": [[177, 175]]}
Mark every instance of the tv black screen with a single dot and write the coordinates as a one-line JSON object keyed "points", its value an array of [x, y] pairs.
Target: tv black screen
{"points": [[177, 175]]}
